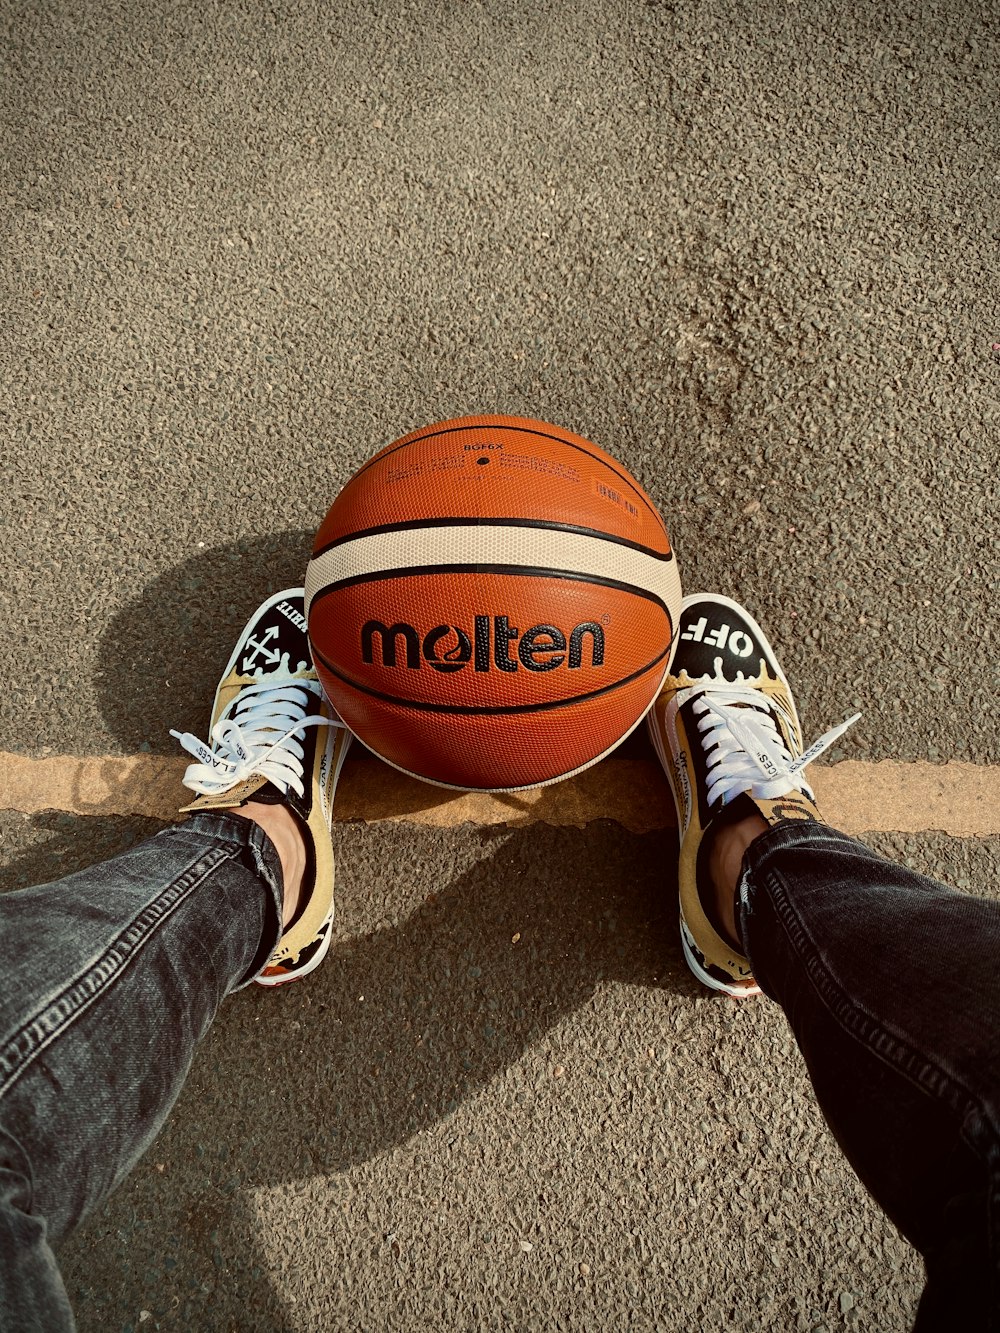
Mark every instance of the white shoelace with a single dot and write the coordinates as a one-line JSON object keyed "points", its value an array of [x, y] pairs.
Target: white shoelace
{"points": [[259, 737], [744, 746]]}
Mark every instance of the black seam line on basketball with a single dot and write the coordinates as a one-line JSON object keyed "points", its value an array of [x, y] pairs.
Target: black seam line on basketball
{"points": [[527, 571], [415, 524], [524, 430], [490, 710]]}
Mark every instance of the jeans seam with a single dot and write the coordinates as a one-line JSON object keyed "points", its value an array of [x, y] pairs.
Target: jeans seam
{"points": [[55, 1015], [892, 1049]]}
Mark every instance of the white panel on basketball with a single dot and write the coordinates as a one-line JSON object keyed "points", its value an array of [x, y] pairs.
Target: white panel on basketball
{"points": [[502, 544]]}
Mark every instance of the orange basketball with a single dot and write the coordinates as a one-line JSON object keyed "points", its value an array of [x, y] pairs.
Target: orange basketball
{"points": [[492, 602]]}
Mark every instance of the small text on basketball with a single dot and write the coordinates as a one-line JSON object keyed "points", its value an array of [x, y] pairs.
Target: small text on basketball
{"points": [[541, 648]]}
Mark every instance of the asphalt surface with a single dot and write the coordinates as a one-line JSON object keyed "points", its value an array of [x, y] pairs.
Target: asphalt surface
{"points": [[370, 1149], [751, 250]]}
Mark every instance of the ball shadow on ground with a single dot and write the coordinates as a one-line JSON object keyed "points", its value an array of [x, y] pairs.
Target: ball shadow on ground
{"points": [[311, 1081], [161, 657]]}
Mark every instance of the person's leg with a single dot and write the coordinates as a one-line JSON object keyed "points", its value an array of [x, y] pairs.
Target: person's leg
{"points": [[888, 981], [885, 977], [113, 975], [111, 978]]}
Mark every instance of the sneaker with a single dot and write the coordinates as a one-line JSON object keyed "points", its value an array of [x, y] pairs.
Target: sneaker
{"points": [[275, 738], [727, 733]]}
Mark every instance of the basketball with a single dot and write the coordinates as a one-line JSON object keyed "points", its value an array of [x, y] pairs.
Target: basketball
{"points": [[491, 603]]}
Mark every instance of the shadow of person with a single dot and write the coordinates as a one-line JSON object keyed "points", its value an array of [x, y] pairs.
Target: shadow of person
{"points": [[161, 656], [455, 955], [425, 998], [408, 1020]]}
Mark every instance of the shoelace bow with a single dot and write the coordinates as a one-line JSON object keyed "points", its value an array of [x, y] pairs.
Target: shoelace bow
{"points": [[744, 747], [259, 737]]}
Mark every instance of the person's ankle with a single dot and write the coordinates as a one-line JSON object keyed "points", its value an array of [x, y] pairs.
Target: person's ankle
{"points": [[283, 829], [728, 846]]}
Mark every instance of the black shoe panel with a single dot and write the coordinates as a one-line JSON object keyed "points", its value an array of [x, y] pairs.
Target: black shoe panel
{"points": [[714, 631], [277, 641]]}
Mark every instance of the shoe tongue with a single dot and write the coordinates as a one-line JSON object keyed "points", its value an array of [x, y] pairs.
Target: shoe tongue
{"points": [[254, 788], [269, 794], [230, 798], [795, 806]]}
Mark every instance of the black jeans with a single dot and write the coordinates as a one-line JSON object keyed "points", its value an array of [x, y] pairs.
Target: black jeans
{"points": [[888, 981], [112, 976], [110, 979]]}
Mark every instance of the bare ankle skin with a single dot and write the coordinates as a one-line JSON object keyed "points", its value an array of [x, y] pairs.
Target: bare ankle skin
{"points": [[725, 859], [282, 828]]}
